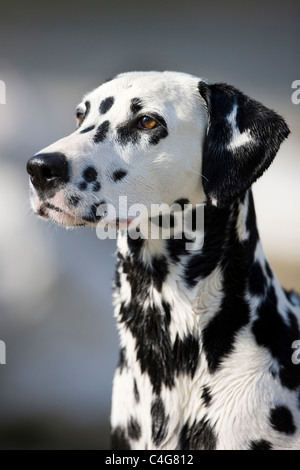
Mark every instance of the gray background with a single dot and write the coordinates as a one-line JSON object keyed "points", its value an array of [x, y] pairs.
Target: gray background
{"points": [[55, 285]]}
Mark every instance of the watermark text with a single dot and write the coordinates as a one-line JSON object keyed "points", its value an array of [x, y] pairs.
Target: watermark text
{"points": [[2, 92], [2, 352], [296, 94]]}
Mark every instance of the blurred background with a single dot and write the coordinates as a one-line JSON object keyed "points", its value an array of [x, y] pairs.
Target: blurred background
{"points": [[55, 285]]}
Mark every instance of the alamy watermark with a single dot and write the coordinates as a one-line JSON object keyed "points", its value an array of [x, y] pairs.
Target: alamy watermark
{"points": [[296, 94], [2, 352], [2, 92], [296, 354], [159, 221]]}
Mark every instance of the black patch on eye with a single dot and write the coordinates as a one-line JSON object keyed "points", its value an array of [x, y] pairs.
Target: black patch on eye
{"points": [[96, 187], [101, 132], [136, 105], [128, 134], [87, 129], [74, 200], [159, 132], [119, 175], [90, 174], [281, 420], [106, 104]]}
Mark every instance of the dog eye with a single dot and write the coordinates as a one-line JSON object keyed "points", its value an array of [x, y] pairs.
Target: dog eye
{"points": [[80, 115], [147, 123]]}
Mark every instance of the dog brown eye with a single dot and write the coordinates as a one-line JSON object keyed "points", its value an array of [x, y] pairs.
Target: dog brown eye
{"points": [[147, 122], [80, 117]]}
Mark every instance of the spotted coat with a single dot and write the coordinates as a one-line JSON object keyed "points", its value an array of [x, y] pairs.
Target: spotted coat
{"points": [[206, 332]]}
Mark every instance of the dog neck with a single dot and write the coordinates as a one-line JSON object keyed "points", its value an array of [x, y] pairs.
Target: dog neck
{"points": [[168, 296]]}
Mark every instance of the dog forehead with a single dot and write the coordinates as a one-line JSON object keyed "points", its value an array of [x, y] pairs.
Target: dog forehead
{"points": [[153, 89]]}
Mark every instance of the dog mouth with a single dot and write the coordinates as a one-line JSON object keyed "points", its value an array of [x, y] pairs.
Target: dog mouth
{"points": [[59, 216]]}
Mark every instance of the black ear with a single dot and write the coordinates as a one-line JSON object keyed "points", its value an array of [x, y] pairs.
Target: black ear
{"points": [[242, 139]]}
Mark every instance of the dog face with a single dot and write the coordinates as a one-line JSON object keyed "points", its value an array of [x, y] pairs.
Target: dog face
{"points": [[139, 135], [154, 137]]}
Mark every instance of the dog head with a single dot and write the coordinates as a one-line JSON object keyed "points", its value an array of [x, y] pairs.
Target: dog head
{"points": [[154, 137]]}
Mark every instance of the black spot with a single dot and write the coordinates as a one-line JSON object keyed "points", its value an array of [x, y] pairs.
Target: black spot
{"points": [[135, 245], [159, 421], [160, 267], [148, 325], [82, 186], [122, 360], [101, 132], [186, 355], [90, 174], [87, 129], [134, 429], [181, 202], [281, 420], [220, 333], [73, 200], [153, 345], [96, 187], [260, 445], [87, 109], [251, 226], [257, 280], [206, 395], [93, 216], [199, 436], [136, 105], [128, 133], [136, 392], [167, 309], [119, 440], [106, 104], [202, 263], [119, 175], [279, 338]]}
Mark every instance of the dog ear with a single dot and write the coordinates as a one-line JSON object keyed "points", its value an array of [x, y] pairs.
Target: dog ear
{"points": [[242, 139]]}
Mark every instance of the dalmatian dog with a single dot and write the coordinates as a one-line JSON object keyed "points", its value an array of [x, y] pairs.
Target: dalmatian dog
{"points": [[206, 331]]}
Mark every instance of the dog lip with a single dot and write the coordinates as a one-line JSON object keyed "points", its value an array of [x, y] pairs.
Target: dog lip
{"points": [[52, 207]]}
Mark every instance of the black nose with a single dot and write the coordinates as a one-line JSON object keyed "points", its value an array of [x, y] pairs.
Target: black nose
{"points": [[48, 170]]}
